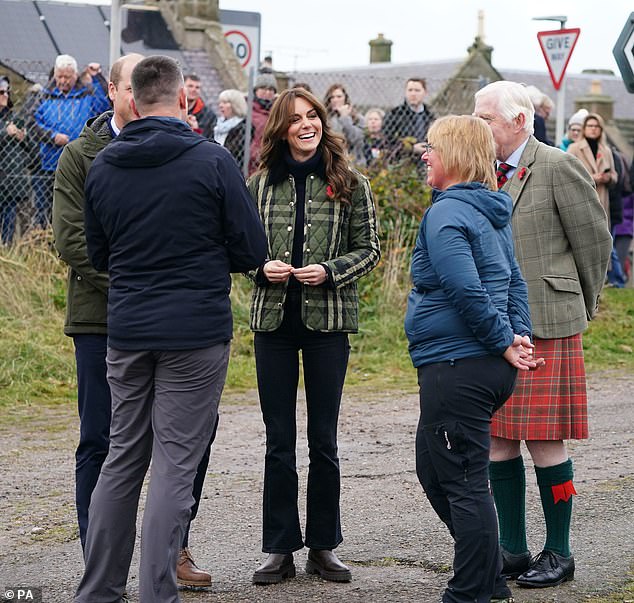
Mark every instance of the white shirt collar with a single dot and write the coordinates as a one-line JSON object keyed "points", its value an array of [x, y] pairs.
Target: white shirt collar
{"points": [[113, 125], [514, 158]]}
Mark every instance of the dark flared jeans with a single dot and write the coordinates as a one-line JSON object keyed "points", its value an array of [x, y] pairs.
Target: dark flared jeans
{"points": [[324, 360], [457, 400]]}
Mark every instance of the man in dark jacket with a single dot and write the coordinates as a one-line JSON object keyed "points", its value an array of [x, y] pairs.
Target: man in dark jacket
{"points": [[86, 309], [412, 119], [168, 215], [200, 117]]}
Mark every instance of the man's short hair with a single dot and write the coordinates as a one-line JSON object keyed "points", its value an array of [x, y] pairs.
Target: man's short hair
{"points": [[117, 67], [63, 61], [192, 76], [511, 99], [156, 80], [421, 80]]}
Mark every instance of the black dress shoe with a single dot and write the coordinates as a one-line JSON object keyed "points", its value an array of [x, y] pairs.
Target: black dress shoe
{"points": [[514, 564], [275, 569], [327, 565], [548, 569]]}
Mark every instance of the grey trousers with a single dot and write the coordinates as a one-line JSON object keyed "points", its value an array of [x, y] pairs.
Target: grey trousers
{"points": [[164, 407]]}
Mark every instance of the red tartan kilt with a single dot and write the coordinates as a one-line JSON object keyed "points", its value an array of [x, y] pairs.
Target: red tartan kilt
{"points": [[550, 403]]}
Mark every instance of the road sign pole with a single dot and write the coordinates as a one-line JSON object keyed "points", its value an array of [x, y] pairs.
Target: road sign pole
{"points": [[115, 32], [559, 122]]}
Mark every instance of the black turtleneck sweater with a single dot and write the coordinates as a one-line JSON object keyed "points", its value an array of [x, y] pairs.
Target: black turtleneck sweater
{"points": [[300, 170]]}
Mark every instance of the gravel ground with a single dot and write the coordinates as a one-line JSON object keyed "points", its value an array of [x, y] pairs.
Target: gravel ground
{"points": [[397, 548]]}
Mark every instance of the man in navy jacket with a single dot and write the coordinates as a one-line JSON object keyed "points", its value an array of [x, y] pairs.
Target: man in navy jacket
{"points": [[169, 216]]}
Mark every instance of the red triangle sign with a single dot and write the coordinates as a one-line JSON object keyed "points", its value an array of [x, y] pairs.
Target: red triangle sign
{"points": [[557, 47]]}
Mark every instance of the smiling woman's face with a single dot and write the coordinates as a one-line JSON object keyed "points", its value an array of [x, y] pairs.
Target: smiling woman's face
{"points": [[304, 130]]}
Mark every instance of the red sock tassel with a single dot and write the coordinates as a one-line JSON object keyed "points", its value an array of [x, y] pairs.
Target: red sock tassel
{"points": [[563, 491]]}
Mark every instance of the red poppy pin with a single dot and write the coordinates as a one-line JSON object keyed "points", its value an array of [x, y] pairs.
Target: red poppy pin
{"points": [[521, 173], [329, 192]]}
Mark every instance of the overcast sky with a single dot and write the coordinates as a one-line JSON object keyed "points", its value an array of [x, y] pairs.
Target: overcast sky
{"points": [[312, 34], [307, 34]]}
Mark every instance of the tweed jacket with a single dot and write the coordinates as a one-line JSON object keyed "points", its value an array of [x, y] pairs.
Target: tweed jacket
{"points": [[87, 293], [341, 236], [562, 241], [603, 161]]}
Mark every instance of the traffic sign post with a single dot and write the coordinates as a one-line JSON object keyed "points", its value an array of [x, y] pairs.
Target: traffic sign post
{"points": [[623, 52], [242, 32], [557, 47]]}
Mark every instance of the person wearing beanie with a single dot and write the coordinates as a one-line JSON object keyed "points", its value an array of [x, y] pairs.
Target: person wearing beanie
{"points": [[264, 91], [575, 129]]}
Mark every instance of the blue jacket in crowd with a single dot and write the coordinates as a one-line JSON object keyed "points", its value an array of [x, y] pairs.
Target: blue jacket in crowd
{"points": [[66, 113], [469, 297], [169, 216]]}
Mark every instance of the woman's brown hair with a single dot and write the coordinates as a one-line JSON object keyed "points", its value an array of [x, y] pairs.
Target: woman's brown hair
{"points": [[347, 101], [338, 175]]}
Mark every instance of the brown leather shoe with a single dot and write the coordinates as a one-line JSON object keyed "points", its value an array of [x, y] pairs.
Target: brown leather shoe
{"points": [[276, 568], [327, 565], [187, 573]]}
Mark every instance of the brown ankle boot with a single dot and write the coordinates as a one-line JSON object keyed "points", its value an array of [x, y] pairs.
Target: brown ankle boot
{"points": [[188, 574]]}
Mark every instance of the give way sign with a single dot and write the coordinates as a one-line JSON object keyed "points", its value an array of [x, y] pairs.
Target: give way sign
{"points": [[557, 47]]}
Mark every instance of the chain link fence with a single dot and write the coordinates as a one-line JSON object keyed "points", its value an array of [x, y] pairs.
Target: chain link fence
{"points": [[38, 117], [368, 110]]}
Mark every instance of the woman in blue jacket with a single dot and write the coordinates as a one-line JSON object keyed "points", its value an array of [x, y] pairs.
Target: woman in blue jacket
{"points": [[468, 326]]}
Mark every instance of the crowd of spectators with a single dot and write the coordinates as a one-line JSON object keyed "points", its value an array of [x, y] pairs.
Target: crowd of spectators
{"points": [[33, 135]]}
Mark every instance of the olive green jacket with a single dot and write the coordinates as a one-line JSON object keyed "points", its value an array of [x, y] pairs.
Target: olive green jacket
{"points": [[87, 294], [341, 236]]}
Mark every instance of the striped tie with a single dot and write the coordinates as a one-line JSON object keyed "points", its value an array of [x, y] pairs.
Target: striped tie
{"points": [[501, 172]]}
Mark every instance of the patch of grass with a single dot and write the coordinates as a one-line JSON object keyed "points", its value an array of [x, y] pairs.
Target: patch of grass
{"points": [[609, 341], [623, 595], [37, 365]]}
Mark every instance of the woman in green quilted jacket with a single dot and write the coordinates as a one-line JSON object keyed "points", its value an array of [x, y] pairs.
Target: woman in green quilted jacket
{"points": [[320, 220]]}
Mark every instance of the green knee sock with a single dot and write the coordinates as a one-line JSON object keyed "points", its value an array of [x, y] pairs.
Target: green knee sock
{"points": [[556, 490], [508, 484]]}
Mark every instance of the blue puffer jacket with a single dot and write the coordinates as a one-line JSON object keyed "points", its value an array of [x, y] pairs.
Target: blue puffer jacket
{"points": [[469, 297], [66, 113]]}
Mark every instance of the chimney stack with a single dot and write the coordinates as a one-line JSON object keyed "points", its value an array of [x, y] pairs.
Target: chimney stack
{"points": [[380, 50]]}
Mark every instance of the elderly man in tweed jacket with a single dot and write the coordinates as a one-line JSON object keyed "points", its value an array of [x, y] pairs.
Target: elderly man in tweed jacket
{"points": [[563, 244]]}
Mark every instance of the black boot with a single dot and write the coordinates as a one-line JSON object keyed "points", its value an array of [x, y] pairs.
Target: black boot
{"points": [[327, 565], [276, 568]]}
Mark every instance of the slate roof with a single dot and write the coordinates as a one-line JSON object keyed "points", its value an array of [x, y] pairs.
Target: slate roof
{"points": [[383, 83], [34, 32]]}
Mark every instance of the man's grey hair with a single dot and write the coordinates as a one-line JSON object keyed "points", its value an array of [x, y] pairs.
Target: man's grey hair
{"points": [[65, 60], [511, 99]]}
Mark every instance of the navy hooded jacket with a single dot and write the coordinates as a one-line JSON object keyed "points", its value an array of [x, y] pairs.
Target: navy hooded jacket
{"points": [[169, 216], [469, 297]]}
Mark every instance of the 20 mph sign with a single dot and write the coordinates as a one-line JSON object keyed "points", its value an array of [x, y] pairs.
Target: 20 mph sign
{"points": [[557, 47]]}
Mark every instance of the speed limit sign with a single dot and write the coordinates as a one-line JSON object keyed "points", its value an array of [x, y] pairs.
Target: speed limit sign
{"points": [[241, 45], [242, 32]]}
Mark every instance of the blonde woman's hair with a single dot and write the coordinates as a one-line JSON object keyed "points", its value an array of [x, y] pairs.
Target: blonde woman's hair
{"points": [[466, 148], [236, 98]]}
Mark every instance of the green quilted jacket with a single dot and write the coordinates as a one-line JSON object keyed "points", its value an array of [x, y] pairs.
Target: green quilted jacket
{"points": [[341, 236]]}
